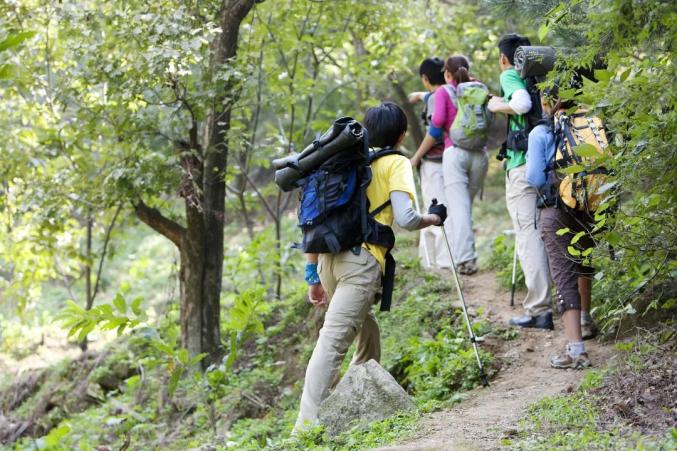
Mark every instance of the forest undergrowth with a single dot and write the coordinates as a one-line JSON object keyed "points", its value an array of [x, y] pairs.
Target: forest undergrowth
{"points": [[143, 392], [121, 395]]}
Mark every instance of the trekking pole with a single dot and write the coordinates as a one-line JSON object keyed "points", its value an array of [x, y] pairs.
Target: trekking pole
{"points": [[473, 339], [418, 209], [514, 266], [514, 271]]}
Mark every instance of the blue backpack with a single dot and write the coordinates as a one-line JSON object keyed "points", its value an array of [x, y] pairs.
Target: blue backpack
{"points": [[334, 212]]}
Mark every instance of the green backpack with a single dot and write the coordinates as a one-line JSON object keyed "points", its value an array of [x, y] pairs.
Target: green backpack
{"points": [[470, 129]]}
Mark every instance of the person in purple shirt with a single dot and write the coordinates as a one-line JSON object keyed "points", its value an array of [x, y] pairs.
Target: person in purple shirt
{"points": [[572, 278]]}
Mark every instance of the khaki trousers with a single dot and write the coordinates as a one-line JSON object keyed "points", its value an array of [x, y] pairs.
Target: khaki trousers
{"points": [[351, 283], [464, 172], [521, 201], [432, 187]]}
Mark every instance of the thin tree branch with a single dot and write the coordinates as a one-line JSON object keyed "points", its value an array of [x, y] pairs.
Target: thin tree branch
{"points": [[103, 251]]}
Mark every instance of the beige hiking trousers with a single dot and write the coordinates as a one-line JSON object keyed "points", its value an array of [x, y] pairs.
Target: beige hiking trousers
{"points": [[521, 202], [432, 187], [351, 283], [464, 173]]}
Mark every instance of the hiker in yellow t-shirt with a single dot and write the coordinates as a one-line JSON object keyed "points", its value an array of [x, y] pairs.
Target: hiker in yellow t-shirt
{"points": [[350, 281]]}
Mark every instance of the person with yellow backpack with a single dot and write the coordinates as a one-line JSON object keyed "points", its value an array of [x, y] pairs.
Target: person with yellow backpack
{"points": [[567, 200]]}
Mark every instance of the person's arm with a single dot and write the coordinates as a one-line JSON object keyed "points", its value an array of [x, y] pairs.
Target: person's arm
{"points": [[428, 142], [520, 103], [435, 131], [406, 216], [416, 97], [537, 156], [316, 294]]}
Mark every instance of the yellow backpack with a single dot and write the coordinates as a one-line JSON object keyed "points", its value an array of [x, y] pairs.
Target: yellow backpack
{"points": [[581, 143]]}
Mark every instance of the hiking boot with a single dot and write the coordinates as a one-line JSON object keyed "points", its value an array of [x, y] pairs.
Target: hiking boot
{"points": [[468, 268], [567, 362], [542, 321], [588, 329]]}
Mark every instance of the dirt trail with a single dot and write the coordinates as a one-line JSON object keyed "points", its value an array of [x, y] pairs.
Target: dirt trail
{"points": [[489, 414]]}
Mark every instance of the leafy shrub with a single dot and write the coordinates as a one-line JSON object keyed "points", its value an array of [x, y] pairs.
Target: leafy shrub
{"points": [[436, 368]]}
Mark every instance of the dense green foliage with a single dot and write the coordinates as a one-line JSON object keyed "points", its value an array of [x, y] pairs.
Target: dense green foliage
{"points": [[634, 42]]}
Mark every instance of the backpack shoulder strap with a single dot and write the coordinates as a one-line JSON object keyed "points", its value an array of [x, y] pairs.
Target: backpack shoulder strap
{"points": [[451, 90], [380, 208], [373, 156]]}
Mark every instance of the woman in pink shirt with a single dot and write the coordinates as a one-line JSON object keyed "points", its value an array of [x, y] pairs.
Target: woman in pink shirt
{"points": [[463, 170]]}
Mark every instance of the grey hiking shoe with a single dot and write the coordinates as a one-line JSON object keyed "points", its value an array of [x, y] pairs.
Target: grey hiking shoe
{"points": [[588, 329], [567, 362], [468, 268]]}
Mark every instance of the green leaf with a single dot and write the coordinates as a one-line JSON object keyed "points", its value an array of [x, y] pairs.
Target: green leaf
{"points": [[15, 40], [174, 380], [573, 251], [613, 238], [626, 74], [588, 251], [182, 355], [163, 347], [564, 231], [577, 237], [133, 381], [198, 358], [232, 353], [587, 150], [603, 75], [543, 32], [574, 169], [7, 71], [119, 303], [55, 436], [136, 306]]}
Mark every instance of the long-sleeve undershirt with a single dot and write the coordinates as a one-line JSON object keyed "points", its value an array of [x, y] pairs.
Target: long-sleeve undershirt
{"points": [[404, 213]]}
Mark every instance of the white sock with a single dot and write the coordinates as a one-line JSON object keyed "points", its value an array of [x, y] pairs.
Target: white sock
{"points": [[574, 349]]}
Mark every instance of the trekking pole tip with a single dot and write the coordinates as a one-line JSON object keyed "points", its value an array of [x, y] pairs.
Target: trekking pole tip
{"points": [[485, 381]]}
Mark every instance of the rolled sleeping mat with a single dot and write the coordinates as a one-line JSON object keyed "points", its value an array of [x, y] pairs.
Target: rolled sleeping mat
{"points": [[534, 61], [344, 134], [333, 131]]}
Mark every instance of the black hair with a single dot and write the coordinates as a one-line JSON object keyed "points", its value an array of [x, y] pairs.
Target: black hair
{"points": [[509, 43], [433, 68], [385, 124]]}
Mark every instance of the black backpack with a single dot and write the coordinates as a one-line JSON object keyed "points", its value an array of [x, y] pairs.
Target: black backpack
{"points": [[334, 212], [519, 139]]}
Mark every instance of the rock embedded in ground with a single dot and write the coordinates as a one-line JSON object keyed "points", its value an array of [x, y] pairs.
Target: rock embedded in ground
{"points": [[366, 393]]}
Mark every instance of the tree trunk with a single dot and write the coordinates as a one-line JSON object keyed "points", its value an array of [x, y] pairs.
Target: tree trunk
{"points": [[413, 118], [89, 298], [204, 166]]}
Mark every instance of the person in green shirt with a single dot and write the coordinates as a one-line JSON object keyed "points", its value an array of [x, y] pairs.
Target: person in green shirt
{"points": [[520, 196]]}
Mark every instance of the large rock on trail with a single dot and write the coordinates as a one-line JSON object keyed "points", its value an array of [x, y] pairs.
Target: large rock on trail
{"points": [[366, 393]]}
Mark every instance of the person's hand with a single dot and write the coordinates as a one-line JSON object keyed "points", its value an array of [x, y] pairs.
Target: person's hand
{"points": [[317, 295], [414, 162], [495, 103], [415, 97], [439, 210]]}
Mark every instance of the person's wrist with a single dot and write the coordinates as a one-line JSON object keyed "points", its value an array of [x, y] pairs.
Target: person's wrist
{"points": [[311, 276]]}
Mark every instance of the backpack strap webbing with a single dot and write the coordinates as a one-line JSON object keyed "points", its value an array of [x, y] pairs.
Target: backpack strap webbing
{"points": [[388, 282], [380, 153], [380, 208]]}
